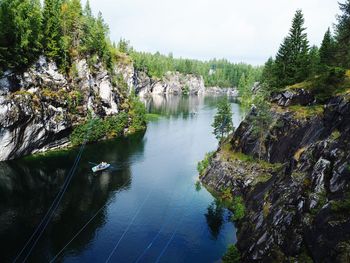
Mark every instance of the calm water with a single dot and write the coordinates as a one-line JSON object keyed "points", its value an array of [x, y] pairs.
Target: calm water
{"points": [[149, 206]]}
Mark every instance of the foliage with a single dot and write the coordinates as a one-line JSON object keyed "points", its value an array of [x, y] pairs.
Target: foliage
{"points": [[292, 60], [327, 49], [342, 36], [96, 129], [203, 165], [323, 68], [327, 83], [20, 33], [137, 114], [304, 112], [232, 255], [61, 30], [261, 119], [238, 208], [223, 120], [215, 72]]}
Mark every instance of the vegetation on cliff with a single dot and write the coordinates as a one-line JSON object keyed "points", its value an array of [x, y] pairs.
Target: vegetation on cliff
{"points": [[128, 122], [63, 31], [322, 70], [216, 72]]}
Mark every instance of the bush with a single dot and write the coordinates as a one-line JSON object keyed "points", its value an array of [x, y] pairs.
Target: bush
{"points": [[232, 255], [97, 129], [238, 208], [325, 86], [137, 114], [203, 165]]}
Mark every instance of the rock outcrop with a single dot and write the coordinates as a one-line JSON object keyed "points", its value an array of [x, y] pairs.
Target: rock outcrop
{"points": [[173, 83], [40, 106], [298, 206]]}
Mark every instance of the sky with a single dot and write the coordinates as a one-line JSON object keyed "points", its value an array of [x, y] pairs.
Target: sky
{"points": [[239, 30]]}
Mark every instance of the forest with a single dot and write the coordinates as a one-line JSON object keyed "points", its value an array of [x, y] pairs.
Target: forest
{"points": [[322, 70], [64, 30]]}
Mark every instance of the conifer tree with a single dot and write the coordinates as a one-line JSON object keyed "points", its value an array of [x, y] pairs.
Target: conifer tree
{"points": [[342, 36], [327, 49], [52, 30], [292, 58], [20, 33], [223, 120]]}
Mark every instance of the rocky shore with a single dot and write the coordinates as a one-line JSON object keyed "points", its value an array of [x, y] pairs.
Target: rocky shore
{"points": [[297, 197]]}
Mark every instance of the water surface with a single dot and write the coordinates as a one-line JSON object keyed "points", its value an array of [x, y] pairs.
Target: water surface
{"points": [[150, 208]]}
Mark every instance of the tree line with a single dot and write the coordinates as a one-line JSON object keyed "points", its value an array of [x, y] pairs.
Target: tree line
{"points": [[216, 72], [296, 61], [62, 30]]}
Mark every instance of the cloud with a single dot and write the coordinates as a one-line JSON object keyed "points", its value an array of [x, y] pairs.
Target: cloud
{"points": [[249, 31]]}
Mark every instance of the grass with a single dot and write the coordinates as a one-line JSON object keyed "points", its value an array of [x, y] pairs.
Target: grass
{"points": [[232, 255], [306, 112], [229, 154], [335, 135], [152, 117], [298, 153], [263, 178], [306, 85], [238, 208], [203, 165]]}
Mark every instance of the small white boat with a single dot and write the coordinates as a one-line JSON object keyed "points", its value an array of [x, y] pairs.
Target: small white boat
{"points": [[102, 166]]}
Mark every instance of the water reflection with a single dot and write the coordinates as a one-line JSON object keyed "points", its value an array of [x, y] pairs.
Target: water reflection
{"points": [[176, 106], [215, 218], [28, 186]]}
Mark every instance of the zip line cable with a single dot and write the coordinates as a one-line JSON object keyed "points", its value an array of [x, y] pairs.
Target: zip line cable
{"points": [[84, 226], [128, 227], [46, 219], [160, 230], [174, 233]]}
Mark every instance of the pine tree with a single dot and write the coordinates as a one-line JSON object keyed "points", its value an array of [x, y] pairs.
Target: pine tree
{"points": [[19, 33], [268, 77], [72, 26], [314, 58], [52, 31], [327, 49], [342, 36], [223, 120], [292, 58]]}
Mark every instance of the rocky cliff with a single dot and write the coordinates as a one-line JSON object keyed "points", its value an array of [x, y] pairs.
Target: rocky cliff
{"points": [[173, 83], [297, 197], [40, 106]]}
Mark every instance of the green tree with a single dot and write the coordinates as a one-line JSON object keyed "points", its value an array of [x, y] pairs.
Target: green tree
{"points": [[268, 77], [314, 61], [327, 49], [223, 120], [20, 33], [342, 36], [261, 119], [52, 31], [72, 26], [232, 255], [292, 59]]}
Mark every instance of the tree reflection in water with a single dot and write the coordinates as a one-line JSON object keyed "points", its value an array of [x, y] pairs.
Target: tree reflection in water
{"points": [[28, 186], [215, 218]]}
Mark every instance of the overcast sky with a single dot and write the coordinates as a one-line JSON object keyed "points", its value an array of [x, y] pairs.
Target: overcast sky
{"points": [[239, 30]]}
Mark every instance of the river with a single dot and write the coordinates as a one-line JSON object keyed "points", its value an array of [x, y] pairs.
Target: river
{"points": [[146, 208]]}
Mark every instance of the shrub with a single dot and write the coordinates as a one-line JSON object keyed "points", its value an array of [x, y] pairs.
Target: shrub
{"points": [[203, 165], [238, 208], [327, 83], [137, 114], [232, 255]]}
